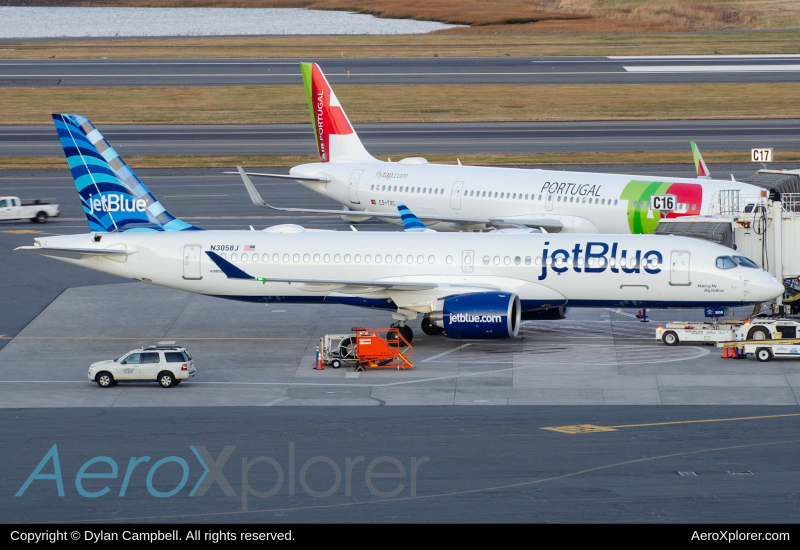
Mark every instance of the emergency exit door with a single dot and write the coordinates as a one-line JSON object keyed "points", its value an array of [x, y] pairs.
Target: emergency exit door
{"points": [[679, 268], [191, 261], [455, 195], [353, 187], [468, 261]]}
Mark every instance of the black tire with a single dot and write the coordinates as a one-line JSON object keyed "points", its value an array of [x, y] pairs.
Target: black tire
{"points": [[407, 333], [670, 338], [41, 217], [763, 354], [336, 363], [429, 328], [104, 379], [348, 349], [758, 333], [166, 379]]}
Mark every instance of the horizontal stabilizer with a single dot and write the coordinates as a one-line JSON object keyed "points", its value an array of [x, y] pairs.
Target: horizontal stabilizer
{"points": [[73, 253], [279, 176]]}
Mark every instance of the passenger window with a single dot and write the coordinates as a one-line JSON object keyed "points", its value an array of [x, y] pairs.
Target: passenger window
{"points": [[486, 260], [517, 260], [132, 359], [725, 262], [527, 260], [174, 357], [150, 358]]}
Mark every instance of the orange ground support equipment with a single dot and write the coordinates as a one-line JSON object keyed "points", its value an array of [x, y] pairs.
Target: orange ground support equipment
{"points": [[376, 352]]}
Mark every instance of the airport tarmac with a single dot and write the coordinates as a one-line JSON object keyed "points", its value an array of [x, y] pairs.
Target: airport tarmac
{"points": [[262, 355], [422, 138], [416, 70]]}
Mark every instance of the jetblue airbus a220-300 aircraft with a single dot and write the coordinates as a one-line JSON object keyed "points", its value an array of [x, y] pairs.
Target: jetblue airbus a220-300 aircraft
{"points": [[467, 285], [459, 198]]}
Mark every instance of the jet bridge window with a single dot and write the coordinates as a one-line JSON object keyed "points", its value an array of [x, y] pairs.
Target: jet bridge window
{"points": [[725, 262], [744, 262]]}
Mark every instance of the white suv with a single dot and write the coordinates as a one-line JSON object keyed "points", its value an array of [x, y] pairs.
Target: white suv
{"points": [[168, 365]]}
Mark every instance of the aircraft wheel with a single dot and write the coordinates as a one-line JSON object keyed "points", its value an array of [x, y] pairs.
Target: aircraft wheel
{"points": [[407, 333], [429, 328]]}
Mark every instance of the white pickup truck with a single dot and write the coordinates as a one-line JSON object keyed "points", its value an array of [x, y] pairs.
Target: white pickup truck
{"points": [[11, 208]]}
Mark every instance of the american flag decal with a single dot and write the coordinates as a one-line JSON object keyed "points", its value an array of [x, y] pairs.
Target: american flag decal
{"points": [[249, 248]]}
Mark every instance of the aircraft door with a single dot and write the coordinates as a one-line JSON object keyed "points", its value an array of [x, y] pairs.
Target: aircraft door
{"points": [[468, 261], [353, 187], [679, 268], [548, 201], [455, 195], [191, 261]]}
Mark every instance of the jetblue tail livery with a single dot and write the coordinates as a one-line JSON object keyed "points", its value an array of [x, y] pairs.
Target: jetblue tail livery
{"points": [[113, 198]]}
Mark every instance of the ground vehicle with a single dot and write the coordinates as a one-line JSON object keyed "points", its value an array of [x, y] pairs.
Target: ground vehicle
{"points": [[766, 350], [11, 208], [367, 348], [768, 329], [686, 331], [165, 363]]}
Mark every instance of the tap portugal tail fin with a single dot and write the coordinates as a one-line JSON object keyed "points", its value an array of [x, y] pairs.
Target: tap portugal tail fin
{"points": [[336, 139], [113, 198]]}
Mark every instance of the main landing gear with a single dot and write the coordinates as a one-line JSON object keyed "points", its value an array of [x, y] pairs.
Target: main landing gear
{"points": [[429, 328], [405, 332]]}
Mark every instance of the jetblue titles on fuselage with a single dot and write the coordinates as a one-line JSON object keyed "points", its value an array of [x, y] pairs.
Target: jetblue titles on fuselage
{"points": [[595, 261]]}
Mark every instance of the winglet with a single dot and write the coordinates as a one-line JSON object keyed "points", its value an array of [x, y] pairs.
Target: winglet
{"points": [[699, 164], [230, 270], [410, 221], [251, 189]]}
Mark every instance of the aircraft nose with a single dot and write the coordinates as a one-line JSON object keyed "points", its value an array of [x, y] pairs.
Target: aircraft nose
{"points": [[775, 288]]}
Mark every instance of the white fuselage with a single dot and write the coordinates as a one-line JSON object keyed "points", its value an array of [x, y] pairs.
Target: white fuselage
{"points": [[588, 270], [583, 202]]}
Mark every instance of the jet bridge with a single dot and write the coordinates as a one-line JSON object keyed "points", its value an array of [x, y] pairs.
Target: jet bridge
{"points": [[764, 228]]}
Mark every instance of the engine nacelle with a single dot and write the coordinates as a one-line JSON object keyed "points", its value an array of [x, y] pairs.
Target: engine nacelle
{"points": [[481, 315], [551, 313]]}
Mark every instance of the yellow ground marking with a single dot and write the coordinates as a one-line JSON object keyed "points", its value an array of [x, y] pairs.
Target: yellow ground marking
{"points": [[451, 494], [20, 231], [589, 428], [580, 429]]}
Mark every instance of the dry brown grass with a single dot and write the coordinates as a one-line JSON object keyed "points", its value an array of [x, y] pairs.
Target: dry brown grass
{"points": [[526, 15], [435, 103], [494, 159]]}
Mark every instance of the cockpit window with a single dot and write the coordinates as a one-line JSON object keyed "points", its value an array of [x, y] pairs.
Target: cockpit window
{"points": [[725, 262], [744, 262]]}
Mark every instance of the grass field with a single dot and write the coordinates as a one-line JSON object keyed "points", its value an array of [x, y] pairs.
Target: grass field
{"points": [[427, 103], [507, 159], [442, 45]]}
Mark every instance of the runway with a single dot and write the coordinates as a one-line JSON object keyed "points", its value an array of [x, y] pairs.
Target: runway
{"points": [[422, 138], [383, 71]]}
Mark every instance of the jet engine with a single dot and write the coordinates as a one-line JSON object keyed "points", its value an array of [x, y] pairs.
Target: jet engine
{"points": [[490, 315]]}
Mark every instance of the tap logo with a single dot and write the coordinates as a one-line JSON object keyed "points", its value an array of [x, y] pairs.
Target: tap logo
{"points": [[116, 203]]}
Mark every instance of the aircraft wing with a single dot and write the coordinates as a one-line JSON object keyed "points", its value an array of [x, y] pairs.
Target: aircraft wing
{"points": [[552, 226], [73, 253]]}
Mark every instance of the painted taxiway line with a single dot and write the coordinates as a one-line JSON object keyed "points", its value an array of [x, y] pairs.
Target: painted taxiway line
{"points": [[712, 68]]}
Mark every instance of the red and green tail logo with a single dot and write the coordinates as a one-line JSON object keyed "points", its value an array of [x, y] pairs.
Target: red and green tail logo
{"points": [[643, 220]]}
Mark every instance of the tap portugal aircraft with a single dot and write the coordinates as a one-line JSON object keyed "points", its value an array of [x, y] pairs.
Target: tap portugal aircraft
{"points": [[466, 285], [470, 198]]}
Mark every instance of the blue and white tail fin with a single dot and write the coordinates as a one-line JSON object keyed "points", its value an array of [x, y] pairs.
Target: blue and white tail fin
{"points": [[113, 198], [410, 221]]}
